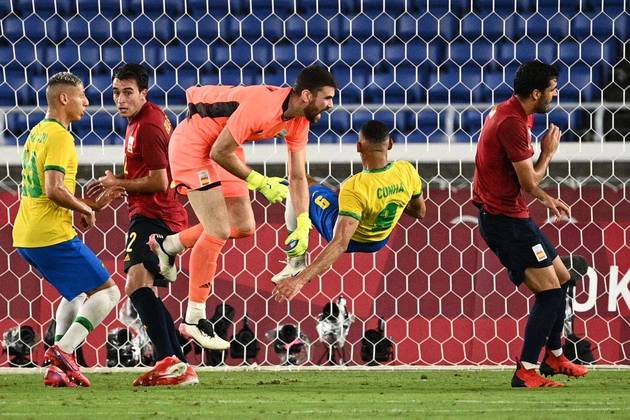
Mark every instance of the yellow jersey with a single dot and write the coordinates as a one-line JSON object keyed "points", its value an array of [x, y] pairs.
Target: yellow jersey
{"points": [[377, 198], [41, 222]]}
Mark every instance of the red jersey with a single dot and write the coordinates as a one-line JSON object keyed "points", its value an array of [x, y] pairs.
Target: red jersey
{"points": [[505, 138], [251, 113], [146, 148]]}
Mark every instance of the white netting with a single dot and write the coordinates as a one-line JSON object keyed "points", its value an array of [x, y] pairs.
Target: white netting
{"points": [[428, 69]]}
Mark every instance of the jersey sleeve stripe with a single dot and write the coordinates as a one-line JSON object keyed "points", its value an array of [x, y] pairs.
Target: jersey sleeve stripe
{"points": [[349, 213], [55, 168]]}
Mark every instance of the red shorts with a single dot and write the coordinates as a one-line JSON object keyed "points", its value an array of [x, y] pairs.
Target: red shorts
{"points": [[191, 165]]}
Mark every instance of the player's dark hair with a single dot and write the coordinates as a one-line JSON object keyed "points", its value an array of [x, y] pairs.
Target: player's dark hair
{"points": [[314, 78], [133, 72], [375, 132], [64, 78], [533, 75]]}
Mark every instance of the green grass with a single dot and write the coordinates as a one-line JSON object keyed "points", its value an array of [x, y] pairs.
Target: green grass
{"points": [[321, 394]]}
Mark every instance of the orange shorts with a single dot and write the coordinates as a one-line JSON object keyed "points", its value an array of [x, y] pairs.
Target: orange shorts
{"points": [[192, 168]]}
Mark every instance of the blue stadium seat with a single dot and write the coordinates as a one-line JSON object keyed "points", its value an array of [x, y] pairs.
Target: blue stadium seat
{"points": [[112, 55], [350, 51], [133, 52], [492, 27], [471, 26], [284, 53], [164, 80], [328, 51], [536, 26], [24, 51], [251, 28], [361, 27], [525, 50], [504, 52], [208, 76], [142, 28], [69, 54], [273, 28], [441, 84], [361, 74], [164, 29], [470, 78], [219, 52], [580, 77], [515, 27], [548, 51], [358, 118], [459, 52], [252, 75], [100, 29], [176, 54], [154, 53], [384, 27], [230, 75], [471, 122], [427, 122], [295, 27], [395, 52], [306, 51], [482, 51], [17, 125], [12, 28], [77, 28], [207, 28], [273, 75], [580, 26], [622, 26], [340, 121], [317, 28], [501, 7], [35, 28], [372, 51], [590, 51], [406, 26], [449, 26], [186, 29], [559, 25], [263, 53], [500, 91], [427, 26], [89, 53], [241, 52]]}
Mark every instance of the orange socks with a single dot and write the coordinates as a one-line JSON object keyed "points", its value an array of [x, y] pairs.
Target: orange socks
{"points": [[189, 236], [203, 266]]}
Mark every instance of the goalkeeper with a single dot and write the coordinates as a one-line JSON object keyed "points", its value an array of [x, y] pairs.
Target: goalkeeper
{"points": [[207, 163], [361, 219]]}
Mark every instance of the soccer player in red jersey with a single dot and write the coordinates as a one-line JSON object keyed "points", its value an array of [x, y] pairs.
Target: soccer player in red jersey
{"points": [[153, 208], [207, 162], [503, 169]]}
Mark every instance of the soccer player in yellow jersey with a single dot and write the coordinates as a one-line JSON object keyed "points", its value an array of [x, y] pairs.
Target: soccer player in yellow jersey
{"points": [[369, 205], [43, 232]]}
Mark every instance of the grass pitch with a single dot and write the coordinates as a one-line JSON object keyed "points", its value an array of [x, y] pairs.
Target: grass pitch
{"points": [[321, 394]]}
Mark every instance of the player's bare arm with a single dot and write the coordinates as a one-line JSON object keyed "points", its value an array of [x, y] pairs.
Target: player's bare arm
{"points": [[528, 181], [416, 207], [224, 153], [344, 229], [156, 181], [57, 192], [298, 180]]}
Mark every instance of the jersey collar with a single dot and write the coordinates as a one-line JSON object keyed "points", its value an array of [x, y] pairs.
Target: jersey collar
{"points": [[383, 169]]}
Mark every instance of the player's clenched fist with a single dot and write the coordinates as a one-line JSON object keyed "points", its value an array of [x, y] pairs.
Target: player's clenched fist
{"points": [[273, 188]]}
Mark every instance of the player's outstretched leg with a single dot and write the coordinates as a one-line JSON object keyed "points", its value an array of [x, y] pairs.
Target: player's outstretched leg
{"points": [[56, 377], [553, 365], [167, 261], [67, 364], [202, 332], [529, 378], [169, 367], [295, 265]]}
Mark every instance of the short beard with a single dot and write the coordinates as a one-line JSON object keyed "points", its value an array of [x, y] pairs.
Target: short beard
{"points": [[311, 113]]}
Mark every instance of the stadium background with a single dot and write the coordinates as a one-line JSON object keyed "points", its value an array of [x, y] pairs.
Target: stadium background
{"points": [[431, 70]]}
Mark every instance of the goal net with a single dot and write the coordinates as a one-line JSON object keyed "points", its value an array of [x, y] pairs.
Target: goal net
{"points": [[431, 71]]}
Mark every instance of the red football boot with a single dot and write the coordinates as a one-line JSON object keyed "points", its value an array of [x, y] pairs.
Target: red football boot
{"points": [[189, 377], [56, 378], [529, 378], [65, 361], [168, 367], [552, 365]]}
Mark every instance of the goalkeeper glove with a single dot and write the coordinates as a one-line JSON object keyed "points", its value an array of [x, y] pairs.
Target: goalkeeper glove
{"points": [[271, 187], [297, 241]]}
